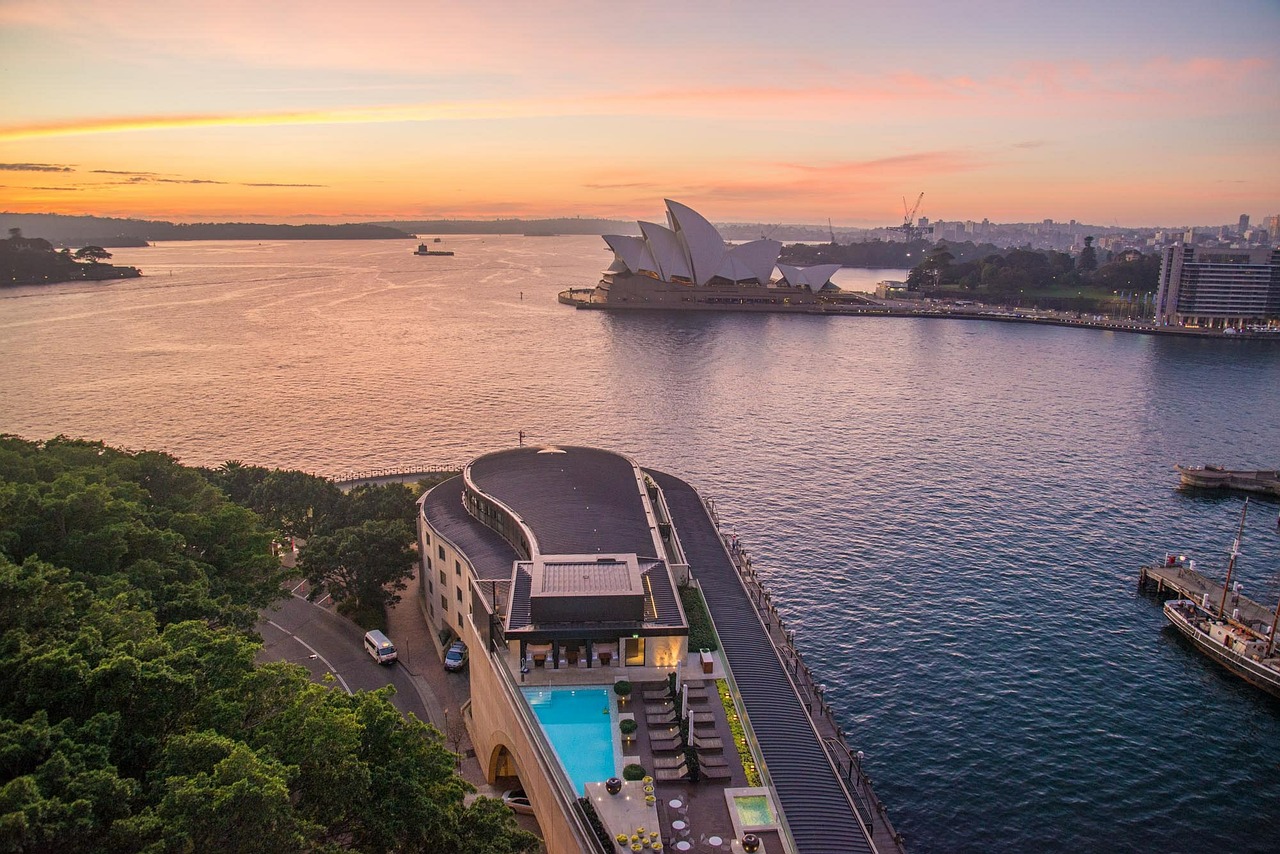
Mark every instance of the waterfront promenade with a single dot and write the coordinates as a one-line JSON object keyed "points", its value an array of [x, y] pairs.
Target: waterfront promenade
{"points": [[818, 796]]}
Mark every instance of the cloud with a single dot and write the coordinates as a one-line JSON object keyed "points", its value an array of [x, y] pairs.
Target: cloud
{"points": [[150, 179], [120, 172], [34, 167], [1030, 143], [635, 185], [281, 185]]}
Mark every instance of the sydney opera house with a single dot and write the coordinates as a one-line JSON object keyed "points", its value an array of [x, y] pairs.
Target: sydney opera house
{"points": [[687, 264]]}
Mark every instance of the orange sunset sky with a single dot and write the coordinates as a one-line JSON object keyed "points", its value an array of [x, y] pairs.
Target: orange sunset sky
{"points": [[1110, 113]]}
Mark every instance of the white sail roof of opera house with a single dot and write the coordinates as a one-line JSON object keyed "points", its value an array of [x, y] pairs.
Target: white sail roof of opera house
{"points": [[815, 277], [691, 250]]}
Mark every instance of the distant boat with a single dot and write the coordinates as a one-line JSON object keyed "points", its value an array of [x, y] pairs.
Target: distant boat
{"points": [[423, 250]]}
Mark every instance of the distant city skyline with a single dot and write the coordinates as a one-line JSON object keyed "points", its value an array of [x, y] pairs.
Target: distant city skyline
{"points": [[1157, 114]]}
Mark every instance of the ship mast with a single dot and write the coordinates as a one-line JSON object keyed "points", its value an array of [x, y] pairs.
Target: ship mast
{"points": [[1271, 638], [1231, 564]]}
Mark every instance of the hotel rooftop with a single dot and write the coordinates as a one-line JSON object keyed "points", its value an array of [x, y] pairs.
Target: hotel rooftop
{"points": [[569, 569]]}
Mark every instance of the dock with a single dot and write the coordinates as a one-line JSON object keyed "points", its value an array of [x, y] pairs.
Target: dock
{"points": [[1181, 581]]}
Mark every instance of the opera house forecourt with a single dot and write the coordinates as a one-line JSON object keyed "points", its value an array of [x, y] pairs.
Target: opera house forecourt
{"points": [[686, 264], [577, 579]]}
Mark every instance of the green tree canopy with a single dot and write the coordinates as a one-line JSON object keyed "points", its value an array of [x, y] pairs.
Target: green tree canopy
{"points": [[133, 716]]}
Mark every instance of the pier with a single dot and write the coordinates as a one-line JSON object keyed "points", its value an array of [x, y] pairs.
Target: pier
{"points": [[1180, 580]]}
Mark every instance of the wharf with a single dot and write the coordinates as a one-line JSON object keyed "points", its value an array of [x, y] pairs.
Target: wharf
{"points": [[1183, 582]]}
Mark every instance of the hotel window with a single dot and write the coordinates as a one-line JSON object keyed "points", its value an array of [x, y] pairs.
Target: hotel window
{"points": [[430, 587], [457, 568], [458, 591], [444, 602], [440, 551], [428, 561], [427, 535], [442, 578], [459, 621]]}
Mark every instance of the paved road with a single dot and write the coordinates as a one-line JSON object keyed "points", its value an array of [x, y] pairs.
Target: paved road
{"points": [[303, 633]]}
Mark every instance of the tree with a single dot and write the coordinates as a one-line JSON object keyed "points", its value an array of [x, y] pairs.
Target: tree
{"points": [[132, 714], [366, 564], [92, 254], [1088, 257]]}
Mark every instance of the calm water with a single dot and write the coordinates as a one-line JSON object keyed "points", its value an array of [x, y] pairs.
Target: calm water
{"points": [[951, 513]]}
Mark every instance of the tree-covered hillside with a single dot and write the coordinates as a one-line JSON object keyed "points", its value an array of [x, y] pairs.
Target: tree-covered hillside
{"points": [[133, 716]]}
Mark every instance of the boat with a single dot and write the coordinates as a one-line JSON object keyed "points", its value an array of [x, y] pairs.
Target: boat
{"points": [[1246, 653], [1216, 477], [1245, 647], [424, 250]]}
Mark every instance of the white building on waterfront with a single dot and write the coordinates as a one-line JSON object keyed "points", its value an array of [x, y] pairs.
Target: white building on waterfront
{"points": [[1219, 288]]}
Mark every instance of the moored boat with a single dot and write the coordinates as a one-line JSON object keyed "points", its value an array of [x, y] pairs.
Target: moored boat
{"points": [[1243, 645], [1216, 477], [1246, 653]]}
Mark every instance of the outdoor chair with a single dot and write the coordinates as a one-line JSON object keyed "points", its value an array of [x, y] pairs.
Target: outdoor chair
{"points": [[712, 761], [710, 773], [698, 742], [679, 773], [669, 762]]}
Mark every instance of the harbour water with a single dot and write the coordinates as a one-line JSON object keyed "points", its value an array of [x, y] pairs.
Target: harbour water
{"points": [[951, 514]]}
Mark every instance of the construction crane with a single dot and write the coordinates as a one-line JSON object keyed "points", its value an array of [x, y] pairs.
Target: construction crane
{"points": [[909, 229], [832, 230]]}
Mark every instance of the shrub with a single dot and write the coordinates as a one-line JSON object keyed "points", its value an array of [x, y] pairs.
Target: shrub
{"points": [[633, 772], [628, 726], [702, 634], [622, 687]]}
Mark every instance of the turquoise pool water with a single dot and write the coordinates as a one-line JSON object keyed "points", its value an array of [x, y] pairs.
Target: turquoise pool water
{"points": [[753, 810], [578, 725]]}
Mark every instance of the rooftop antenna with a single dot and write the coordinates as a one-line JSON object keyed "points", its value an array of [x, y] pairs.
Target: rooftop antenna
{"points": [[520, 437], [832, 230]]}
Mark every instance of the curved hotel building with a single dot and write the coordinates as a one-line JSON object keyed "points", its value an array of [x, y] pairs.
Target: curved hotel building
{"points": [[687, 264], [568, 569]]}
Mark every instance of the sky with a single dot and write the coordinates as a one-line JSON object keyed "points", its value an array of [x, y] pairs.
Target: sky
{"points": [[1126, 112]]}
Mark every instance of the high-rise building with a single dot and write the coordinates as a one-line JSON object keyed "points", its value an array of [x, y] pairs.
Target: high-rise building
{"points": [[1218, 288], [1244, 224], [1273, 228]]}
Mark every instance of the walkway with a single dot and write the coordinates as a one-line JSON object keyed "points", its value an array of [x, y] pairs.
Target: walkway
{"points": [[817, 808]]}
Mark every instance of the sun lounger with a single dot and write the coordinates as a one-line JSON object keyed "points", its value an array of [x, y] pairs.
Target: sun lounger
{"points": [[667, 746], [659, 718], [679, 773], [657, 696], [699, 742], [658, 708], [704, 719], [715, 773], [669, 762], [712, 761]]}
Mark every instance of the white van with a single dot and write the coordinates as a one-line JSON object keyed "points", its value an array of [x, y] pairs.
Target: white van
{"points": [[379, 647]]}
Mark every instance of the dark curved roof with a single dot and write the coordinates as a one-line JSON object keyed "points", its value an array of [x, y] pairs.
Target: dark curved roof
{"points": [[817, 808], [581, 501], [491, 555]]}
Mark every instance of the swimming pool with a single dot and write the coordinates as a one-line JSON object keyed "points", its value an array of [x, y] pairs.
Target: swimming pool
{"points": [[579, 725]]}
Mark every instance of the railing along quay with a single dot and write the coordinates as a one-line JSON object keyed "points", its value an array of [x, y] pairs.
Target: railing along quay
{"points": [[871, 810], [394, 471]]}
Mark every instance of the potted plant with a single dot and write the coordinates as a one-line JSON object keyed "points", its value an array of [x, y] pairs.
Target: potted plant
{"points": [[633, 772]]}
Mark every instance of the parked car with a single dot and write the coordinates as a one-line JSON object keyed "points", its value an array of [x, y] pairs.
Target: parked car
{"points": [[517, 801], [456, 657]]}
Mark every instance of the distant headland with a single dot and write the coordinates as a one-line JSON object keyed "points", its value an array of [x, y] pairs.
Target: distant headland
{"points": [[111, 233], [34, 261]]}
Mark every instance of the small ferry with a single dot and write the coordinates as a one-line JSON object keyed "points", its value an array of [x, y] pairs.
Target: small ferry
{"points": [[423, 249], [1242, 650], [1216, 477]]}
